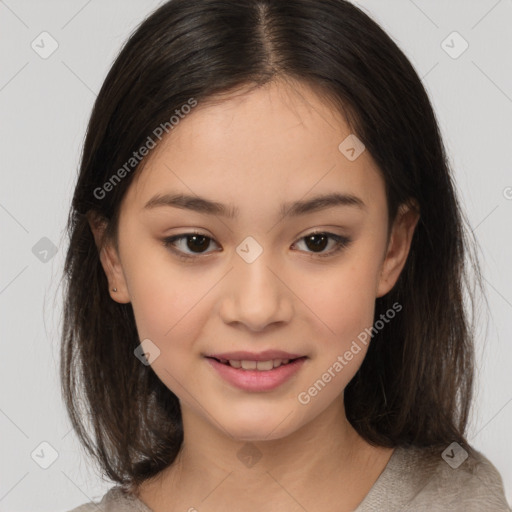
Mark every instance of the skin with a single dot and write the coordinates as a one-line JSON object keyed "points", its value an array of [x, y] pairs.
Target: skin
{"points": [[255, 151]]}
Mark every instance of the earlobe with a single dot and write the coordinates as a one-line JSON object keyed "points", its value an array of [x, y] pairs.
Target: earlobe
{"points": [[109, 259], [398, 248], [113, 269]]}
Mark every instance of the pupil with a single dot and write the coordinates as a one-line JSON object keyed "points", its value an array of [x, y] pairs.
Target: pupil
{"points": [[201, 238], [318, 245]]}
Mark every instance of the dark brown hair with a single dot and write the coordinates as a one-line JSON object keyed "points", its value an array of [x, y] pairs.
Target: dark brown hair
{"points": [[415, 384]]}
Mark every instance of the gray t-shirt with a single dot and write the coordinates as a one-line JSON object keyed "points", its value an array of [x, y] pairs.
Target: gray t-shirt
{"points": [[414, 480]]}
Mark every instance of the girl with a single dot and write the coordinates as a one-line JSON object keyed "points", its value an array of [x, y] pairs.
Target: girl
{"points": [[266, 272]]}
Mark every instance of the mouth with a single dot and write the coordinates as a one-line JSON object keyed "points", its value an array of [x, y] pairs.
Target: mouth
{"points": [[262, 372], [251, 364]]}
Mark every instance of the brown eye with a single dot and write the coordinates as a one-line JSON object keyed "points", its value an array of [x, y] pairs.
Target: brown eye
{"points": [[192, 245], [196, 243], [317, 242]]}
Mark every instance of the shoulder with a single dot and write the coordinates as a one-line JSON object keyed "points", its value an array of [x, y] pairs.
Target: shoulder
{"points": [[115, 500], [460, 483], [420, 479]]}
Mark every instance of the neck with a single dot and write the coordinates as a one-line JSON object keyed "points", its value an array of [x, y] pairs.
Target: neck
{"points": [[315, 467]]}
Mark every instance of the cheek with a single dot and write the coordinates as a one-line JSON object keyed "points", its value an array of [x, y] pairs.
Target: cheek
{"points": [[344, 299], [164, 300], [169, 311], [343, 304]]}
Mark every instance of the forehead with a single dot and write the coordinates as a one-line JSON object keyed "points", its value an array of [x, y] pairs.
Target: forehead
{"points": [[278, 142]]}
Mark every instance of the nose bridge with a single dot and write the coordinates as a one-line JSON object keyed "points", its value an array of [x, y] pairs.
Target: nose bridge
{"points": [[255, 295]]}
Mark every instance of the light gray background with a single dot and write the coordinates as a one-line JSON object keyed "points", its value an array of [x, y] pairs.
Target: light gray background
{"points": [[44, 108]]}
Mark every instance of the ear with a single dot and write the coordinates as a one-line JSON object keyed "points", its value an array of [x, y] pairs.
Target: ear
{"points": [[109, 258], [398, 247]]}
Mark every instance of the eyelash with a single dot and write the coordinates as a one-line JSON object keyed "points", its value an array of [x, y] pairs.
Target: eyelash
{"points": [[341, 243]]}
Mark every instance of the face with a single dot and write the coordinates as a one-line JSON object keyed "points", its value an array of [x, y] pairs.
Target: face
{"points": [[274, 272]]}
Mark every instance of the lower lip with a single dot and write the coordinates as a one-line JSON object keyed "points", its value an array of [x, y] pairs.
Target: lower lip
{"points": [[257, 380]]}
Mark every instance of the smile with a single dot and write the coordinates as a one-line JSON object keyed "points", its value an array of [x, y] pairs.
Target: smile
{"points": [[245, 364], [256, 376]]}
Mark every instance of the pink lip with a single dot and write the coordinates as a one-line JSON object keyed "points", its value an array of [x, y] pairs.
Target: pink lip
{"points": [[255, 356], [256, 380]]}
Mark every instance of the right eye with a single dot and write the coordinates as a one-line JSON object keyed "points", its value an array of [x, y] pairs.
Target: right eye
{"points": [[197, 243]]}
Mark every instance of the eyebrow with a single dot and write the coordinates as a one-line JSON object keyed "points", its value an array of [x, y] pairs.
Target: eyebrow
{"points": [[294, 209]]}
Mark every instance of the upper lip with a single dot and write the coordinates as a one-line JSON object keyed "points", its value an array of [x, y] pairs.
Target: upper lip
{"points": [[255, 356]]}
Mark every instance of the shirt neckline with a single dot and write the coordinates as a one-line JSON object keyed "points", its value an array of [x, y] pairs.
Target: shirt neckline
{"points": [[387, 475], [379, 487]]}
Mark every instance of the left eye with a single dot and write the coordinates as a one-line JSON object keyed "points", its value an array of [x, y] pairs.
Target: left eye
{"points": [[197, 243], [318, 240]]}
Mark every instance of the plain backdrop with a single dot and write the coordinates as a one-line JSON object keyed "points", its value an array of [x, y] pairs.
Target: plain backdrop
{"points": [[45, 104]]}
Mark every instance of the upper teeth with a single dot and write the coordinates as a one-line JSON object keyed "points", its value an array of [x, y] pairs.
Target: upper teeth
{"points": [[256, 365]]}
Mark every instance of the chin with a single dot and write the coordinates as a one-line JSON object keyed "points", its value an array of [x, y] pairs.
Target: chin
{"points": [[252, 425]]}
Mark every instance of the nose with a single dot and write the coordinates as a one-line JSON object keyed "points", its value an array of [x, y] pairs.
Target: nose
{"points": [[256, 294]]}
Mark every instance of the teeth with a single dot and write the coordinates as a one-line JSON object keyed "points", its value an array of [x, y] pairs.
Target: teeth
{"points": [[257, 365], [265, 365]]}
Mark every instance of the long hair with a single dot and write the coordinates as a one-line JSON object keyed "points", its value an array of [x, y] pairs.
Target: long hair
{"points": [[414, 386]]}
